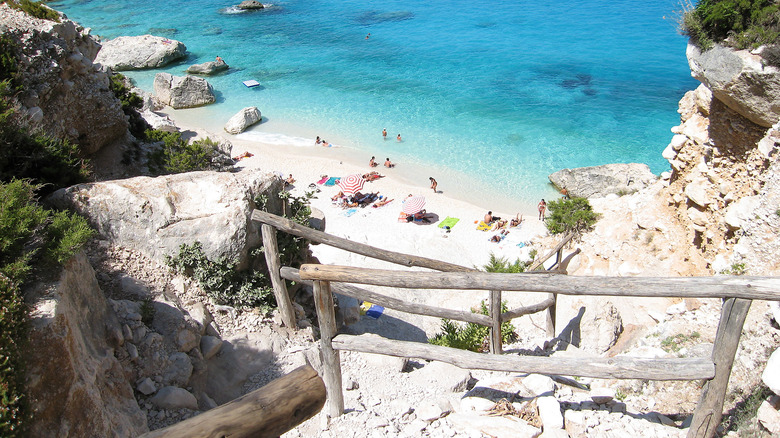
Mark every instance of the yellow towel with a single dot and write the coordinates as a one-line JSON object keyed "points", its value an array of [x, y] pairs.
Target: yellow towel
{"points": [[483, 226]]}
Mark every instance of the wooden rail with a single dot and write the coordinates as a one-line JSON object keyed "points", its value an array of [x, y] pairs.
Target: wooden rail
{"points": [[737, 293], [266, 412]]}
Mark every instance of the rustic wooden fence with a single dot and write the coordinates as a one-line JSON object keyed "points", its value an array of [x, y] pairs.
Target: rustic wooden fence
{"points": [[737, 293]]}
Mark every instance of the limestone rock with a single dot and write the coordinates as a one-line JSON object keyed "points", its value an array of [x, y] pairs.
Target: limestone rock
{"points": [[550, 413], [539, 385], [146, 386], [171, 397], [156, 215], [599, 328], [183, 92], [201, 315], [600, 181], [61, 87], [210, 346], [769, 415], [499, 427], [179, 371], [428, 411], [208, 68], [696, 191], [187, 339], [139, 52], [250, 4], [242, 120], [741, 80], [740, 213], [84, 391], [443, 375], [771, 375]]}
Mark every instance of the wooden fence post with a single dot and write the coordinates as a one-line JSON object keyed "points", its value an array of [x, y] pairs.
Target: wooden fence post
{"points": [[709, 411], [331, 362], [495, 326], [271, 250], [550, 313]]}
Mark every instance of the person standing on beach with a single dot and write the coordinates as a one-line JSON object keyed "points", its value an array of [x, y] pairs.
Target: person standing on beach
{"points": [[434, 184], [384, 134], [542, 207]]}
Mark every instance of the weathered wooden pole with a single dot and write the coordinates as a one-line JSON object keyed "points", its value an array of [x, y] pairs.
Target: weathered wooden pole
{"points": [[266, 412], [709, 411], [550, 316], [495, 323], [331, 362], [271, 250]]}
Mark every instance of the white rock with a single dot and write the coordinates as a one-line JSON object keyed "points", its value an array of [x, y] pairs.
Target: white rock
{"points": [[146, 386], [428, 411], [171, 397], [696, 191], [443, 375], [132, 351], [137, 52], [669, 153], [550, 413], [741, 212], [186, 339], [499, 427], [539, 385], [676, 309], [769, 416], [210, 346], [201, 315], [771, 374], [179, 370], [242, 120], [678, 141], [183, 92], [774, 307]]}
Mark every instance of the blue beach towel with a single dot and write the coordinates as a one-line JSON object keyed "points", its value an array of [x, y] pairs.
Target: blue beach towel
{"points": [[350, 212], [332, 181]]}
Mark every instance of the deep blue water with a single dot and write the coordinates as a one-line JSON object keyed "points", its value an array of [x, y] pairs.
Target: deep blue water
{"points": [[503, 91]]}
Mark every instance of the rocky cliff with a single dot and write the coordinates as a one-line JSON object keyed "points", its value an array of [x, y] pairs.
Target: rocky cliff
{"points": [[63, 91]]}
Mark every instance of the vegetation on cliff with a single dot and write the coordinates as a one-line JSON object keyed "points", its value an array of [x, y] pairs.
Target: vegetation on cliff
{"points": [[35, 9], [31, 237], [741, 24], [573, 215]]}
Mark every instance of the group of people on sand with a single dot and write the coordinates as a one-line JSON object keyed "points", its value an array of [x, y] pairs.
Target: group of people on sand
{"points": [[372, 163], [360, 200], [500, 225], [321, 142]]}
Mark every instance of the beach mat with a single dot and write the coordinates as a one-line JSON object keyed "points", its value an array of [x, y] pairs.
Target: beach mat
{"points": [[323, 180], [449, 222], [350, 212], [483, 226], [332, 181]]}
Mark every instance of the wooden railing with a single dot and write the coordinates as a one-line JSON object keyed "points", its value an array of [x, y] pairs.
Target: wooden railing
{"points": [[737, 293]]}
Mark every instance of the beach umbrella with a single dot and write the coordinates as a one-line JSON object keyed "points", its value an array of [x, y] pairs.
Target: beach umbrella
{"points": [[351, 184], [414, 204]]}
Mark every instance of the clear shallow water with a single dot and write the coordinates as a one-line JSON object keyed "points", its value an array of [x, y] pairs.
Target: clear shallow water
{"points": [[505, 92]]}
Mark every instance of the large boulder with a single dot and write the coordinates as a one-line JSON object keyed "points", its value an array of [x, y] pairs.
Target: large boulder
{"points": [[600, 181], [62, 90], [75, 385], [742, 80], [242, 120], [139, 52], [183, 92], [157, 215], [208, 68]]}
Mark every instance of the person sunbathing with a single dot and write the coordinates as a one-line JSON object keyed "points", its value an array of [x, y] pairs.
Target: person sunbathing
{"points": [[516, 220], [337, 197], [290, 180], [382, 202], [371, 176], [499, 224]]}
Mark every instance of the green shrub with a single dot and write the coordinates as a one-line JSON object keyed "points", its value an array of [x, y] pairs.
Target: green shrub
{"points": [[570, 215], [470, 336], [177, 155], [35, 9], [8, 62], [47, 161], [131, 103], [501, 264], [297, 209], [220, 280], [738, 23], [25, 228], [735, 269]]}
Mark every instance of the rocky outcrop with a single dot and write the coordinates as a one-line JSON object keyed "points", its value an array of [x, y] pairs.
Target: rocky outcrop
{"points": [[139, 52], [742, 80], [75, 385], [600, 181], [250, 4], [208, 68], [242, 120], [183, 92], [63, 91], [157, 215]]}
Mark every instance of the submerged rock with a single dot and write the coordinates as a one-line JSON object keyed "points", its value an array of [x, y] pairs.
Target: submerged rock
{"points": [[600, 181]]}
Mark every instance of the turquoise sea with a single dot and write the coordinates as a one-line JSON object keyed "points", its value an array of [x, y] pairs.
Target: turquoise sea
{"points": [[502, 93]]}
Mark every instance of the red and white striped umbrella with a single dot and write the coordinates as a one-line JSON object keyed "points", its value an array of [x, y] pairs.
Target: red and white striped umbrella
{"points": [[351, 184], [414, 204]]}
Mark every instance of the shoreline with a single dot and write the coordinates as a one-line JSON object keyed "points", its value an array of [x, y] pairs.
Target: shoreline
{"points": [[463, 245], [451, 183]]}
